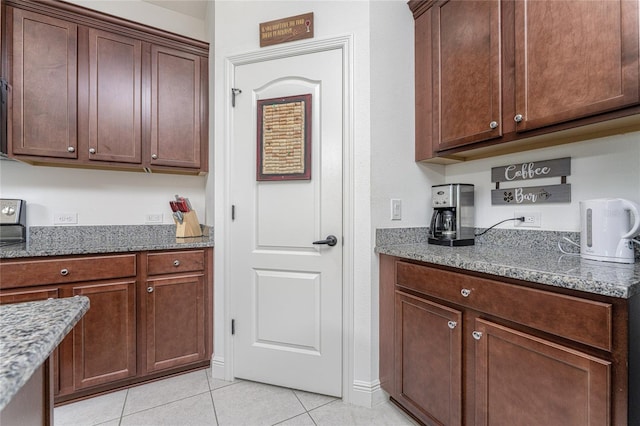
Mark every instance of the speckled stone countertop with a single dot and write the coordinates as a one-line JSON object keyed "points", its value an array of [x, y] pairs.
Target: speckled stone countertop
{"points": [[29, 332], [535, 259], [72, 240]]}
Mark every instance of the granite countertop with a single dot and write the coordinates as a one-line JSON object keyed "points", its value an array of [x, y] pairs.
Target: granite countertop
{"points": [[538, 262], [29, 332], [74, 240]]}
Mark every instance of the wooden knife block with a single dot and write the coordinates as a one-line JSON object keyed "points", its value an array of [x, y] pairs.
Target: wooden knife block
{"points": [[190, 226]]}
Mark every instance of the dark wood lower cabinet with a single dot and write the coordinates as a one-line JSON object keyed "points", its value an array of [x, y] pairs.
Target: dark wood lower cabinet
{"points": [[522, 379], [150, 315], [469, 349], [104, 340], [175, 307], [429, 359]]}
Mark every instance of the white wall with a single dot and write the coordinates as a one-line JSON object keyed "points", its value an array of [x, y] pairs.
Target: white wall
{"points": [[98, 197], [149, 14], [606, 167], [107, 197]]}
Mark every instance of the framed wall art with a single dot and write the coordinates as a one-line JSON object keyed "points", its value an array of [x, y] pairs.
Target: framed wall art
{"points": [[284, 138]]}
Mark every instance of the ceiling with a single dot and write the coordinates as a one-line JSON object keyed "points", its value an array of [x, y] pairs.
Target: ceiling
{"points": [[195, 8]]}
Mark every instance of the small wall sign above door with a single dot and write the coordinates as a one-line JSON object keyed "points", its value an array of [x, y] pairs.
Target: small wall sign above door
{"points": [[286, 29], [559, 167]]}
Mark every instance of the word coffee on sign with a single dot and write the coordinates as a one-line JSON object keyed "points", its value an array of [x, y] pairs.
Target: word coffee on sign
{"points": [[532, 170], [527, 171]]}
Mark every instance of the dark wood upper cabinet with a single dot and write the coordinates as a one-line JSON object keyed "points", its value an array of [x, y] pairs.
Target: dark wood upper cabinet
{"points": [[115, 92], [573, 59], [466, 72], [92, 90], [491, 73], [175, 108], [44, 85]]}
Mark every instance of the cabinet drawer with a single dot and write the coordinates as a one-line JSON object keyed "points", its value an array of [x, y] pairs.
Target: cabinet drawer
{"points": [[22, 273], [175, 261], [581, 320]]}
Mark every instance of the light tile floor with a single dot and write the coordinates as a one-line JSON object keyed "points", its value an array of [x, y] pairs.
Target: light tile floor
{"points": [[197, 399]]}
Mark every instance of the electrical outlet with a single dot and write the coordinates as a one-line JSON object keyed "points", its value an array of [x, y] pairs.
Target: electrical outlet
{"points": [[152, 218], [65, 218], [531, 219], [396, 209]]}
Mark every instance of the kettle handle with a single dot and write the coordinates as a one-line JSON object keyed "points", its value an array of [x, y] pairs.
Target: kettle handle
{"points": [[635, 209]]}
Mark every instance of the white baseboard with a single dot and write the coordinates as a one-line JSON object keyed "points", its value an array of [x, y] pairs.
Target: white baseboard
{"points": [[217, 367], [367, 394]]}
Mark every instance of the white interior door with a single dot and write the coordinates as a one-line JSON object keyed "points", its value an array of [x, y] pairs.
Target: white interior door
{"points": [[286, 292]]}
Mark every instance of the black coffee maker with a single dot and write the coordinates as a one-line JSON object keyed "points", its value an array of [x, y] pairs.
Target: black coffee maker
{"points": [[452, 222]]}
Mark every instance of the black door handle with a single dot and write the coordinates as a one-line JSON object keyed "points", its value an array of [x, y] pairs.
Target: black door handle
{"points": [[330, 241]]}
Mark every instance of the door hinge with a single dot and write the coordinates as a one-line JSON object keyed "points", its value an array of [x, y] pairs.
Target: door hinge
{"points": [[233, 212], [234, 92], [233, 327]]}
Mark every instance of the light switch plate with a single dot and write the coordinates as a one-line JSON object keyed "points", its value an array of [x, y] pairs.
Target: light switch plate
{"points": [[396, 209]]}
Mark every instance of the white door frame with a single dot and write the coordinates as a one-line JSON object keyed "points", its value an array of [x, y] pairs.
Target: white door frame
{"points": [[345, 45]]}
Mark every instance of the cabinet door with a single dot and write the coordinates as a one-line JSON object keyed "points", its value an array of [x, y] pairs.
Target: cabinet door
{"points": [[466, 72], [115, 104], [104, 340], [574, 59], [175, 316], [522, 379], [175, 108], [32, 295], [429, 360], [44, 78]]}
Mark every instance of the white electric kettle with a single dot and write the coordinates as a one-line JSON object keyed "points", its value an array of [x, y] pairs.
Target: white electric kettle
{"points": [[606, 230]]}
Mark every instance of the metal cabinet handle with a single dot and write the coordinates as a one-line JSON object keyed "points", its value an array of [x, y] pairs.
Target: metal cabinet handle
{"points": [[71, 149], [149, 289], [493, 124], [64, 272], [176, 263], [518, 118], [92, 150], [452, 324], [477, 335], [465, 292], [154, 157]]}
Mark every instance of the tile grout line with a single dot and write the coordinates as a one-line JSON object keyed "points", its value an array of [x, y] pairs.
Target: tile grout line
{"points": [[213, 403], [303, 406], [126, 395]]}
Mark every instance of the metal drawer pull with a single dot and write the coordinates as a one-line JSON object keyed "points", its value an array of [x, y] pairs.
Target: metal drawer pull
{"points": [[465, 292], [452, 324], [64, 272], [493, 125], [176, 263], [477, 335], [149, 289], [518, 118]]}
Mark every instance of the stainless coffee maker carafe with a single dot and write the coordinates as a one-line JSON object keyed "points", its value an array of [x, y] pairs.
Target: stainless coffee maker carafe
{"points": [[452, 222]]}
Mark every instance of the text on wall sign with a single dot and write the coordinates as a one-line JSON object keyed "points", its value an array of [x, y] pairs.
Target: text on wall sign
{"points": [[561, 193]]}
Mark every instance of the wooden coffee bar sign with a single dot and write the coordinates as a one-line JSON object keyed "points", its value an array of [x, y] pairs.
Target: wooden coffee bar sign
{"points": [[287, 29], [560, 167]]}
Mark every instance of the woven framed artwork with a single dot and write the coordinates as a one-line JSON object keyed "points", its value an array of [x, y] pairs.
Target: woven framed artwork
{"points": [[284, 139]]}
